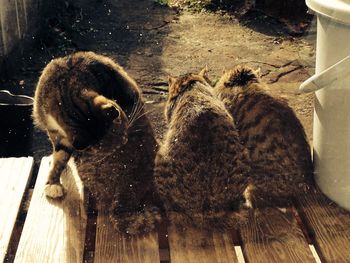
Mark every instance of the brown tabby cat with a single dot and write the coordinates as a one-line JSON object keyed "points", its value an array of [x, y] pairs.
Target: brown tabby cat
{"points": [[200, 169], [274, 136], [87, 102]]}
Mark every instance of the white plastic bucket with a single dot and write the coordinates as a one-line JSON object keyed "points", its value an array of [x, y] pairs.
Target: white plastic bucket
{"points": [[331, 130]]}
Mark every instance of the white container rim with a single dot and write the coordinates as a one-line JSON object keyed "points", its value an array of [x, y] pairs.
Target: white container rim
{"points": [[337, 10]]}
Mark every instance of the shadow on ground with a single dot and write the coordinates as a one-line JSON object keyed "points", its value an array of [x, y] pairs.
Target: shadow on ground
{"points": [[269, 25]]}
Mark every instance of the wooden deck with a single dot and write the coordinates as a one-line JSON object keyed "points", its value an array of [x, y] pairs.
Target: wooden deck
{"points": [[32, 229]]}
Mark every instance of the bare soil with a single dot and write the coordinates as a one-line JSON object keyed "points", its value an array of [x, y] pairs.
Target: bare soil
{"points": [[153, 41]]}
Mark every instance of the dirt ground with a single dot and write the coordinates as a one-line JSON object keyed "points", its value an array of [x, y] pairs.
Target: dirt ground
{"points": [[153, 41]]}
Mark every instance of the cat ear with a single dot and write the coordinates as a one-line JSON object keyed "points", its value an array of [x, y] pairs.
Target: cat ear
{"points": [[171, 80], [116, 113], [204, 72]]}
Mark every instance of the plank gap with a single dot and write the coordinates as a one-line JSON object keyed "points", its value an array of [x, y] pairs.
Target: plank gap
{"points": [[90, 235], [238, 245], [14, 241], [163, 241], [35, 171], [238, 241], [309, 231], [236, 237], [18, 228], [243, 249], [164, 255]]}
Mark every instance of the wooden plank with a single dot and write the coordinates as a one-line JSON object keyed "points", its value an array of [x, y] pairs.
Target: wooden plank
{"points": [[329, 225], [112, 246], [54, 231], [14, 176], [193, 245], [274, 236]]}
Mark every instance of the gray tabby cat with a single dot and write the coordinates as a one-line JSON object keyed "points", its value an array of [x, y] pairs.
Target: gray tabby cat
{"points": [[200, 168], [91, 108], [273, 135]]}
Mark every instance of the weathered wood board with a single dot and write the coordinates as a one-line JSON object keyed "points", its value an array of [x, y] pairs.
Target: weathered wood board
{"points": [[274, 236], [114, 247], [54, 231], [194, 245], [329, 225], [15, 174]]}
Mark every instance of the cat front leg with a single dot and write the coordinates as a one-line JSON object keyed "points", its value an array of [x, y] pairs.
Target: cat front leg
{"points": [[54, 188], [60, 157]]}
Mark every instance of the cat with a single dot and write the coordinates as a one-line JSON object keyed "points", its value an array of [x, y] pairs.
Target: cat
{"points": [[272, 133], [200, 168], [91, 109]]}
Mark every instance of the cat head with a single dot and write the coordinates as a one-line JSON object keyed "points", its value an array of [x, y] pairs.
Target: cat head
{"points": [[179, 85], [111, 123], [239, 76], [117, 133]]}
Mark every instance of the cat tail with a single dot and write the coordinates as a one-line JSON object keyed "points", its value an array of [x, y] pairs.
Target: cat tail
{"points": [[242, 76], [136, 222], [221, 220], [217, 220]]}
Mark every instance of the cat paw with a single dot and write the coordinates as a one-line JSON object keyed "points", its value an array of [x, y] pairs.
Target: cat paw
{"points": [[54, 191]]}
